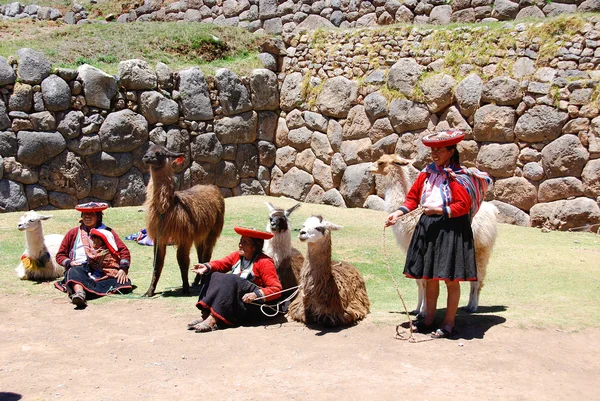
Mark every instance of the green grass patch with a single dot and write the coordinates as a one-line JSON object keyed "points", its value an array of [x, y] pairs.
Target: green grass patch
{"points": [[535, 279], [179, 45]]}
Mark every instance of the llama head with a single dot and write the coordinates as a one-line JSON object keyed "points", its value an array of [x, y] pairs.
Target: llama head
{"points": [[279, 218], [31, 221], [157, 156], [316, 228], [388, 164]]}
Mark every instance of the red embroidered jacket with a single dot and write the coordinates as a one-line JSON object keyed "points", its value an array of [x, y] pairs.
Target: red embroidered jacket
{"points": [[66, 246], [263, 269], [459, 205]]}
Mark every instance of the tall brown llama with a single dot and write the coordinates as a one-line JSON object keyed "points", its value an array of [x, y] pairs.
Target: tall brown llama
{"points": [[288, 260], [332, 293], [192, 216], [397, 182]]}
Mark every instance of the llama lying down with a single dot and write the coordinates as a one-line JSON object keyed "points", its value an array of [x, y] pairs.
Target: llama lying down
{"points": [[332, 293], [38, 261], [397, 182]]}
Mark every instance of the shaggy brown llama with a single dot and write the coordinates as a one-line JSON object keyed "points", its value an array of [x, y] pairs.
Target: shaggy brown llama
{"points": [[191, 216], [332, 293], [288, 260], [397, 181]]}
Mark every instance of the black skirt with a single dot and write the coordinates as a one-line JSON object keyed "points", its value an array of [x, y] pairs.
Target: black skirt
{"points": [[222, 293], [96, 287], [442, 249]]}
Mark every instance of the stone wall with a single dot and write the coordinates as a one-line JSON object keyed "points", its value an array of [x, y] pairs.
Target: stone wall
{"points": [[530, 113], [529, 108], [277, 16], [69, 136]]}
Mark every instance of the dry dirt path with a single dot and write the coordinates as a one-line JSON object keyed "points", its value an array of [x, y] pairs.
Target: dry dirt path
{"points": [[140, 350]]}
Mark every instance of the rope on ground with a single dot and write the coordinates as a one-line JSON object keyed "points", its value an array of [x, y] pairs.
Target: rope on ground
{"points": [[275, 308], [412, 215]]}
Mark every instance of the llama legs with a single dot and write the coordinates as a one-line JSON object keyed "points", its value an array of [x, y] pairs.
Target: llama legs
{"points": [[183, 259], [474, 296], [159, 261]]}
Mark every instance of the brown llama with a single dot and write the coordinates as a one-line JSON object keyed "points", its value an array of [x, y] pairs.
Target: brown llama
{"points": [[192, 216], [288, 260], [332, 293], [397, 182]]}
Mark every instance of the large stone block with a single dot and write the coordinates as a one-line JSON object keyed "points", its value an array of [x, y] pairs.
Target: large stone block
{"points": [[123, 131], [337, 97], [565, 214], [357, 184], [499, 160], [565, 156], [195, 99]]}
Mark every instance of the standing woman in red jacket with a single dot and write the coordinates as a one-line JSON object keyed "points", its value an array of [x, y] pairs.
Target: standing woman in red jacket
{"points": [[442, 246], [230, 299]]}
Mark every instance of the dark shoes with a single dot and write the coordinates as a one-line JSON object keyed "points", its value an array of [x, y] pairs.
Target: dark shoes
{"points": [[421, 327], [443, 333], [78, 299]]}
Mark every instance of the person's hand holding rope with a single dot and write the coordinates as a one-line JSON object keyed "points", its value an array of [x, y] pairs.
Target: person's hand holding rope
{"points": [[393, 218], [249, 297]]}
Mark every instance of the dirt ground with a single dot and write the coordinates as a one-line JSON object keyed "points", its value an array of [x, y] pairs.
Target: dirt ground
{"points": [[140, 350]]}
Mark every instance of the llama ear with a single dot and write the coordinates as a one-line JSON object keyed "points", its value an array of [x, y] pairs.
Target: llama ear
{"points": [[271, 207], [290, 210], [42, 217], [331, 226]]}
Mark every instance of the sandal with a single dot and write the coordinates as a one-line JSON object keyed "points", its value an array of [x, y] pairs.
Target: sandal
{"points": [[191, 325], [443, 333], [204, 327], [421, 327], [78, 299]]}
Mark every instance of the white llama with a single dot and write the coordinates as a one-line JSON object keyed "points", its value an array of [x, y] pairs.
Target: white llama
{"points": [[288, 260], [38, 260], [395, 172]]}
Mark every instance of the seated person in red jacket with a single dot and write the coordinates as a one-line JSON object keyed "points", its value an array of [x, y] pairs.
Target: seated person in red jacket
{"points": [[231, 299], [88, 271]]}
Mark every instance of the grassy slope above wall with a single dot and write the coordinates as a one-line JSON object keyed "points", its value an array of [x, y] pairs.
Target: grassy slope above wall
{"points": [[179, 45]]}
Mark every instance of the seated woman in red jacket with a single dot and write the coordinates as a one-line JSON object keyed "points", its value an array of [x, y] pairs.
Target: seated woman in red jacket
{"points": [[231, 299], [90, 270]]}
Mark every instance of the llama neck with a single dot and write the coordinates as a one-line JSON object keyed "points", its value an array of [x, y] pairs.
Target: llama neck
{"points": [[35, 242], [279, 247], [161, 188], [397, 186], [318, 262]]}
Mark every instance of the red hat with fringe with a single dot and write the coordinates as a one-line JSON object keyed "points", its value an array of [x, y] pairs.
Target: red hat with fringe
{"points": [[252, 233], [443, 138], [91, 207]]}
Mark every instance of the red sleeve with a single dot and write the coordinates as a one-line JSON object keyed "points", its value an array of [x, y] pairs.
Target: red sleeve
{"points": [[461, 201], [267, 279], [224, 265], [413, 198], [122, 251], [62, 255]]}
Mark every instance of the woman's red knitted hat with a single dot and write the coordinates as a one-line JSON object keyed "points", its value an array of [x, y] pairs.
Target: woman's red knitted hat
{"points": [[91, 207], [443, 138], [252, 233]]}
